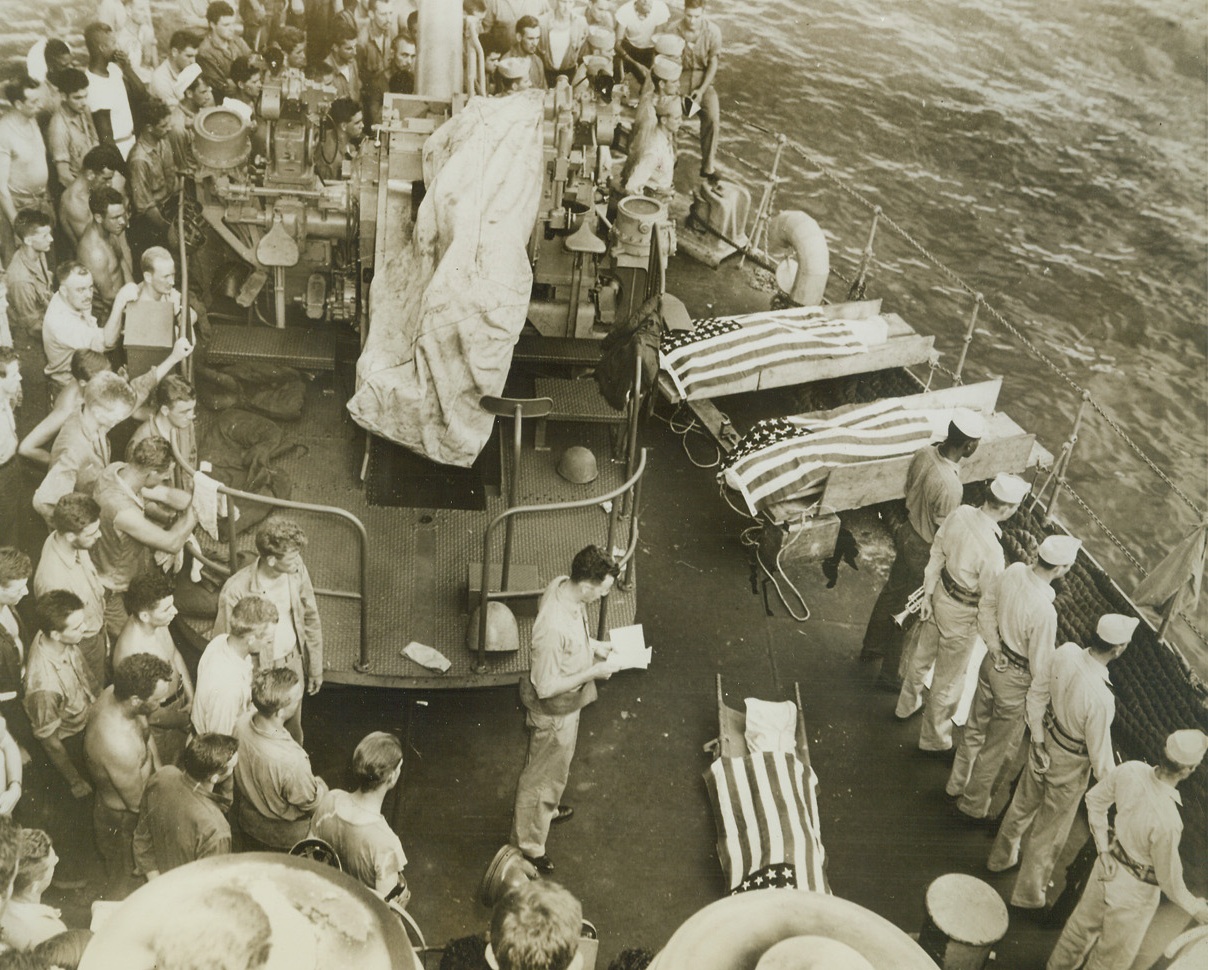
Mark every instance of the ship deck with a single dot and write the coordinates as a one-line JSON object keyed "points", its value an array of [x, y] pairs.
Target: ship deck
{"points": [[419, 557]]}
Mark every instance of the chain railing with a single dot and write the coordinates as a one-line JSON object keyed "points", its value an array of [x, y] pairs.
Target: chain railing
{"points": [[856, 291], [879, 216]]}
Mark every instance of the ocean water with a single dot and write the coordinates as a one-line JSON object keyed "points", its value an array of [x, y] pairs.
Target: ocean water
{"points": [[1055, 156]]}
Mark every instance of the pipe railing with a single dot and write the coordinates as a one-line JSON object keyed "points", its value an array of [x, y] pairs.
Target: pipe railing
{"points": [[486, 594], [362, 663]]}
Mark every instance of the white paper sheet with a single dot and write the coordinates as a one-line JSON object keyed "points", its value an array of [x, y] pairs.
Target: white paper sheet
{"points": [[629, 650]]}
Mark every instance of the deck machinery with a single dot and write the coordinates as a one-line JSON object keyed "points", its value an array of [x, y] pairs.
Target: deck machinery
{"points": [[389, 576]]}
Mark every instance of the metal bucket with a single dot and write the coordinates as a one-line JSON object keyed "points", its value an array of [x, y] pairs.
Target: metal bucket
{"points": [[221, 139], [637, 216]]}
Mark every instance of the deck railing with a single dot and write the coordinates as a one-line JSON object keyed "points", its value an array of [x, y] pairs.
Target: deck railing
{"points": [[630, 487], [332, 511]]}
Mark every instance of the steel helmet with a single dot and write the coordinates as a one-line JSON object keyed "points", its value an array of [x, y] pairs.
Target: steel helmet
{"points": [[503, 636], [578, 465]]}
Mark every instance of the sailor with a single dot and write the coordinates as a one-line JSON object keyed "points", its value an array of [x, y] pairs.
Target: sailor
{"points": [[653, 166], [1138, 860], [637, 22], [966, 558], [933, 489], [702, 52], [1013, 682], [1076, 740], [513, 75], [663, 83], [566, 663], [526, 49]]}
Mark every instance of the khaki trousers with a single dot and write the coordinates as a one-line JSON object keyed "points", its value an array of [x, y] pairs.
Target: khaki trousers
{"points": [[945, 643], [1043, 808], [1109, 922], [992, 734], [546, 769]]}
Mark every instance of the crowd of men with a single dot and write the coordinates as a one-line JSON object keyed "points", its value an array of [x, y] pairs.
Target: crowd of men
{"points": [[950, 570]]}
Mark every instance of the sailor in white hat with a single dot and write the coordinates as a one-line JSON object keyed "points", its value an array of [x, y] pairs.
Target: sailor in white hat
{"points": [[1137, 863], [1013, 682], [513, 74], [966, 558], [1076, 741], [933, 489]]}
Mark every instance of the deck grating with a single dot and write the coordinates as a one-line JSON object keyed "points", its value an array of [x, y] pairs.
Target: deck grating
{"points": [[402, 607]]}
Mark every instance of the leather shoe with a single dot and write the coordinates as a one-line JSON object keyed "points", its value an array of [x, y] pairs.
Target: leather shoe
{"points": [[564, 812], [543, 864]]}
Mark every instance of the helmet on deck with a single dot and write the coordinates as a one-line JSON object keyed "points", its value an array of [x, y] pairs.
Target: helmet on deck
{"points": [[578, 465]]}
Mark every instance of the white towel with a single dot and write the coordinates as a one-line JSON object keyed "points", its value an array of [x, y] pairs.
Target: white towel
{"points": [[207, 502], [771, 726], [426, 656]]}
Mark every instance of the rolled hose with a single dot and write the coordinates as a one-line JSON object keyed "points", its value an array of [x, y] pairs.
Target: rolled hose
{"points": [[794, 230]]}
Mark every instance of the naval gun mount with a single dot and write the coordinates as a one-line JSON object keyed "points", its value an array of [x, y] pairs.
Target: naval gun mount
{"points": [[583, 283], [288, 240]]}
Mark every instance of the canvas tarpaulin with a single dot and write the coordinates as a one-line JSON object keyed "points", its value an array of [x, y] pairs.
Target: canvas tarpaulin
{"points": [[447, 307]]}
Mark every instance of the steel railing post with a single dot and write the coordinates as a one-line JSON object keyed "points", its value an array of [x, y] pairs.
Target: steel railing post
{"points": [[857, 287], [978, 300], [1063, 463]]}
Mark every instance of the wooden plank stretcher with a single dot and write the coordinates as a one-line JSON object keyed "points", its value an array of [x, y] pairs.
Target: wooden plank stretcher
{"points": [[902, 348]]}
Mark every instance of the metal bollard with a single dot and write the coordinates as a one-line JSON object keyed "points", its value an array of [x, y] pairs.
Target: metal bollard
{"points": [[965, 919]]}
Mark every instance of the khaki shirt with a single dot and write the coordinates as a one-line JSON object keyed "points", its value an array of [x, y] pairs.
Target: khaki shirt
{"points": [[1026, 623], [1083, 703], [57, 698], [62, 566], [933, 490], [274, 777], [562, 647], [1148, 825], [29, 289], [71, 136]]}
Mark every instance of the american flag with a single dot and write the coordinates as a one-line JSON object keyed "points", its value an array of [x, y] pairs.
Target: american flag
{"points": [[724, 355], [783, 458], [766, 811]]}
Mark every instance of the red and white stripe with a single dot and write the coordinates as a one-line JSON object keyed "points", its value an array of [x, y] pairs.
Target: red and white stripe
{"points": [[767, 814]]}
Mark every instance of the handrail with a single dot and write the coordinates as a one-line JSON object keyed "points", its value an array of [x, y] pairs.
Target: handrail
{"points": [[972, 291], [485, 595], [362, 663]]}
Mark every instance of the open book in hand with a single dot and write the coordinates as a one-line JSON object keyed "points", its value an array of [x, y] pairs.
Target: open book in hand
{"points": [[629, 650]]}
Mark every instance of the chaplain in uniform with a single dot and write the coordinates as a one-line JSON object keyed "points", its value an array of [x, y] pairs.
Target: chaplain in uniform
{"points": [[1013, 682], [566, 663], [933, 489], [1138, 860], [1076, 740], [966, 559]]}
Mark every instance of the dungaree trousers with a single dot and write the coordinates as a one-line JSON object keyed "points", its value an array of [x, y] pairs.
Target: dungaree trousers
{"points": [[1109, 922], [551, 747]]}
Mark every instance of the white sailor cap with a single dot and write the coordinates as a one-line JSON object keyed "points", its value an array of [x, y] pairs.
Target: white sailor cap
{"points": [[185, 78], [601, 38], [1187, 748], [512, 68], [969, 423], [1060, 550], [240, 108], [1116, 628], [35, 61], [669, 45], [1009, 489], [667, 69]]}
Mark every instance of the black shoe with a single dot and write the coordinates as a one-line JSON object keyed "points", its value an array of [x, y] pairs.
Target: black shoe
{"points": [[563, 814], [543, 864]]}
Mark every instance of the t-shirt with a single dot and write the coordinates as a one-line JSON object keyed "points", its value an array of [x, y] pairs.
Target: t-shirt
{"points": [[21, 141], [224, 688], [638, 30], [366, 845], [277, 592], [108, 93]]}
